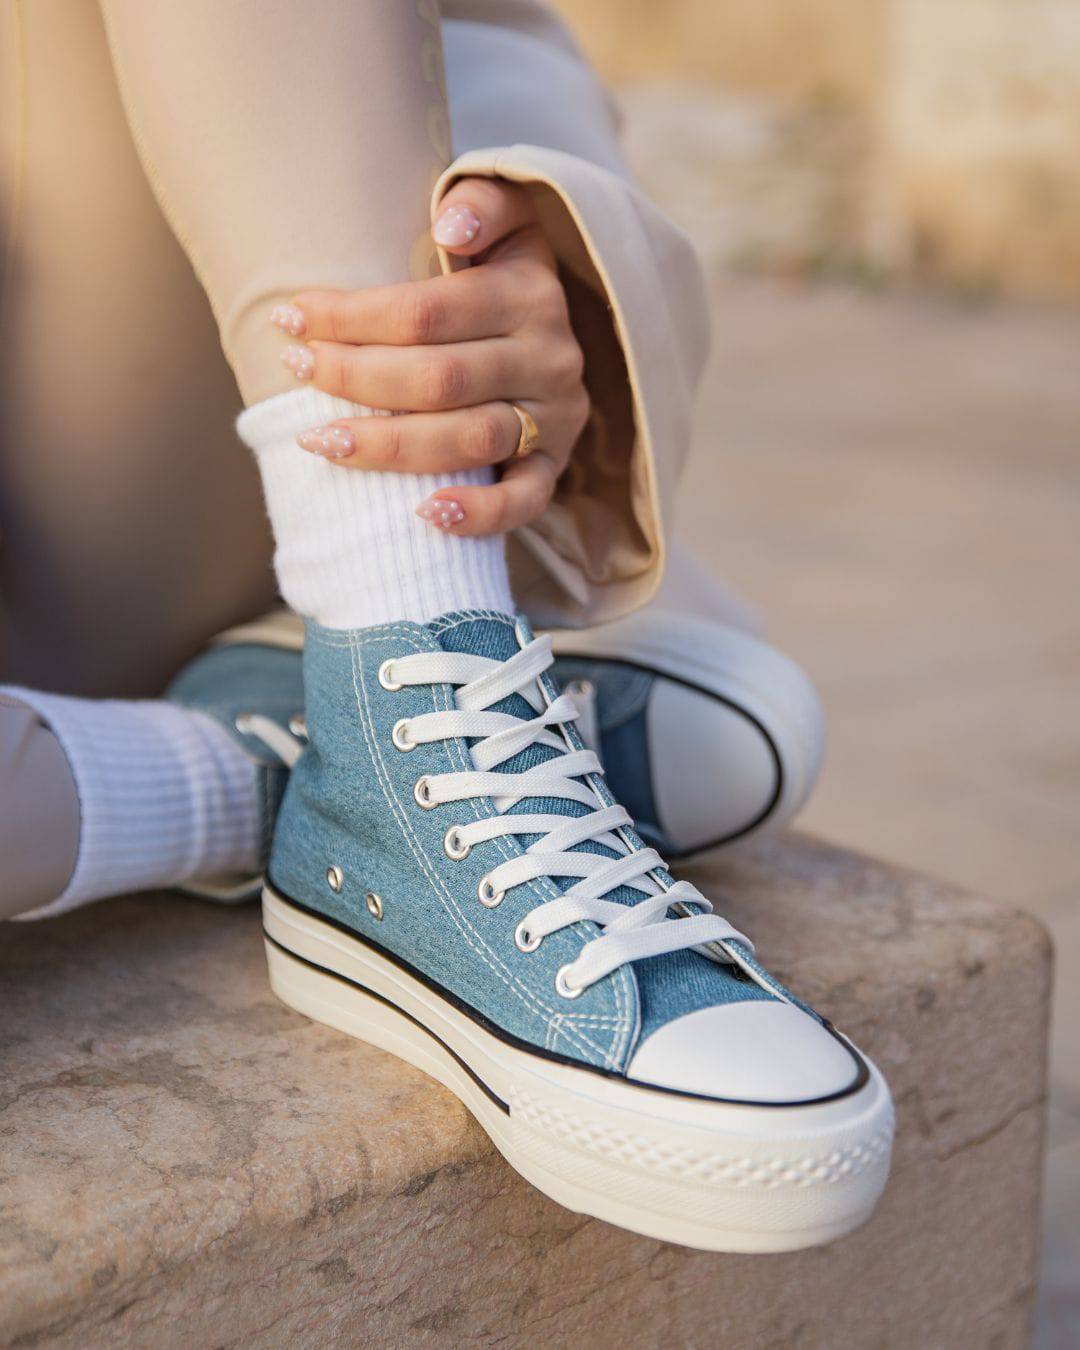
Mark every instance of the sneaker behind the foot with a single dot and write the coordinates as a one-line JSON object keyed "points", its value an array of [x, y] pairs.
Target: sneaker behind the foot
{"points": [[706, 733], [255, 690]]}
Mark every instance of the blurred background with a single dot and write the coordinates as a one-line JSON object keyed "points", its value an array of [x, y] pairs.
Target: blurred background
{"points": [[887, 463]]}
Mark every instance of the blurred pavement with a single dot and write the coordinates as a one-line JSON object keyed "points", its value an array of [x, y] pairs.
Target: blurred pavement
{"points": [[896, 482]]}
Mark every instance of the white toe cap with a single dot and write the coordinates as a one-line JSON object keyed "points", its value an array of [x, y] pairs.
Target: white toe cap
{"points": [[752, 1051]]}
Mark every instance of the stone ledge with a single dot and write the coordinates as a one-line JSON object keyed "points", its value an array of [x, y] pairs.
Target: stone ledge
{"points": [[185, 1161]]}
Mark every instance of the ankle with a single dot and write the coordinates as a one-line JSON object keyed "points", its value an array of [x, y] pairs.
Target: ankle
{"points": [[351, 551]]}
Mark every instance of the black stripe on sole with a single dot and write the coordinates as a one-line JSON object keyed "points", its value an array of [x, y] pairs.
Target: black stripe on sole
{"points": [[862, 1071], [370, 993]]}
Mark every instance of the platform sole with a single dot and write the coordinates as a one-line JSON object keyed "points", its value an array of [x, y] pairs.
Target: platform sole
{"points": [[711, 1175]]}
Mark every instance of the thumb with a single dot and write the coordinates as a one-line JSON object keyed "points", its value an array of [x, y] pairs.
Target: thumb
{"points": [[479, 212]]}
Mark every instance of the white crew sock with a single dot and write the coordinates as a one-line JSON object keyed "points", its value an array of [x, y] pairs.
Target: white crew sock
{"points": [[351, 552], [165, 796]]}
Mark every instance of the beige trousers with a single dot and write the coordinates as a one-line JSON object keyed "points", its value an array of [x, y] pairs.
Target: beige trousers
{"points": [[285, 145], [168, 171], [282, 152], [131, 519]]}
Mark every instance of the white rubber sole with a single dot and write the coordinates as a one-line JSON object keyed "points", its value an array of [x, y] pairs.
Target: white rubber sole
{"points": [[742, 670], [705, 1174]]}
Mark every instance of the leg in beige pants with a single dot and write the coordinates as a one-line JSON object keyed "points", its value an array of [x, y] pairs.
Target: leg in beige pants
{"points": [[132, 524], [290, 146]]}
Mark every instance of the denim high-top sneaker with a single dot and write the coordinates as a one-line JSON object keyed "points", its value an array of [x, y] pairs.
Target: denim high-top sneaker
{"points": [[255, 688], [452, 881], [655, 692]]}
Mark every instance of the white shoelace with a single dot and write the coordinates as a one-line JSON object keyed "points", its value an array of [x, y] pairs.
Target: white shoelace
{"points": [[287, 745], [629, 932]]}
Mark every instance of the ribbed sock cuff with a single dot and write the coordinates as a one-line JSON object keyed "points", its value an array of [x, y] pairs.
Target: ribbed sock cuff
{"points": [[165, 795], [350, 550]]}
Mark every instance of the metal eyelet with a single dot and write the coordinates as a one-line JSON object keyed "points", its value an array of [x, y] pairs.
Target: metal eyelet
{"points": [[489, 896], [374, 904], [385, 678], [563, 989], [582, 688], [422, 793], [335, 879], [298, 725], [523, 940], [400, 736], [453, 847]]}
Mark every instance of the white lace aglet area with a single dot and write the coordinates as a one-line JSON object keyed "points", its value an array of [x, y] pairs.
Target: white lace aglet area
{"points": [[628, 932]]}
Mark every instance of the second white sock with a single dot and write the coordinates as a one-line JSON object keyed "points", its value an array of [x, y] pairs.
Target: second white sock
{"points": [[165, 795], [350, 550]]}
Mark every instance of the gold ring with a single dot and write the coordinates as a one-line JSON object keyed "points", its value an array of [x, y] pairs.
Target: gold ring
{"points": [[530, 433]]}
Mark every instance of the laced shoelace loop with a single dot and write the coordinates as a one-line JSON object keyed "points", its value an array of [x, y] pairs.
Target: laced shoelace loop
{"points": [[287, 745], [629, 932]]}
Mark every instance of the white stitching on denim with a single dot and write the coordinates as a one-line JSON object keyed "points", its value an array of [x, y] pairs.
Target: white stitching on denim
{"points": [[363, 637], [467, 616], [589, 1017], [266, 831], [620, 980], [416, 848], [618, 1021]]}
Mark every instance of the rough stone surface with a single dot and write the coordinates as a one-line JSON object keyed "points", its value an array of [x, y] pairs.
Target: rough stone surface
{"points": [[186, 1162]]}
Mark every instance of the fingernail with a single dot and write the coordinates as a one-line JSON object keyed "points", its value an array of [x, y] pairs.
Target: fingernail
{"points": [[333, 442], [300, 360], [441, 514], [456, 226], [289, 318]]}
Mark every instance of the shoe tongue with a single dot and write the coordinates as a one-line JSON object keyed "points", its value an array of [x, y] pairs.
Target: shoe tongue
{"points": [[479, 634], [496, 638], [669, 985]]}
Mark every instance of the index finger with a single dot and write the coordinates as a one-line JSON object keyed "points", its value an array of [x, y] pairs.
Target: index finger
{"points": [[477, 303]]}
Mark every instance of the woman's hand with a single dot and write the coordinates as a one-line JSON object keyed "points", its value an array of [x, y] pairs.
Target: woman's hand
{"points": [[452, 353]]}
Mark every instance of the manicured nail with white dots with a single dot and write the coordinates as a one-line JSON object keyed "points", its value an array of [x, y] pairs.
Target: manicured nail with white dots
{"points": [[332, 442], [444, 515], [289, 319], [300, 360], [456, 226]]}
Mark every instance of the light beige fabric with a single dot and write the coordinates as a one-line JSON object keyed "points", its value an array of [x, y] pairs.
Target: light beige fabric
{"points": [[599, 549], [114, 445], [131, 520], [290, 147]]}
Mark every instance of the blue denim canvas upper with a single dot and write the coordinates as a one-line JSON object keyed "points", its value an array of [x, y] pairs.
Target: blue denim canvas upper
{"points": [[350, 805], [226, 681]]}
